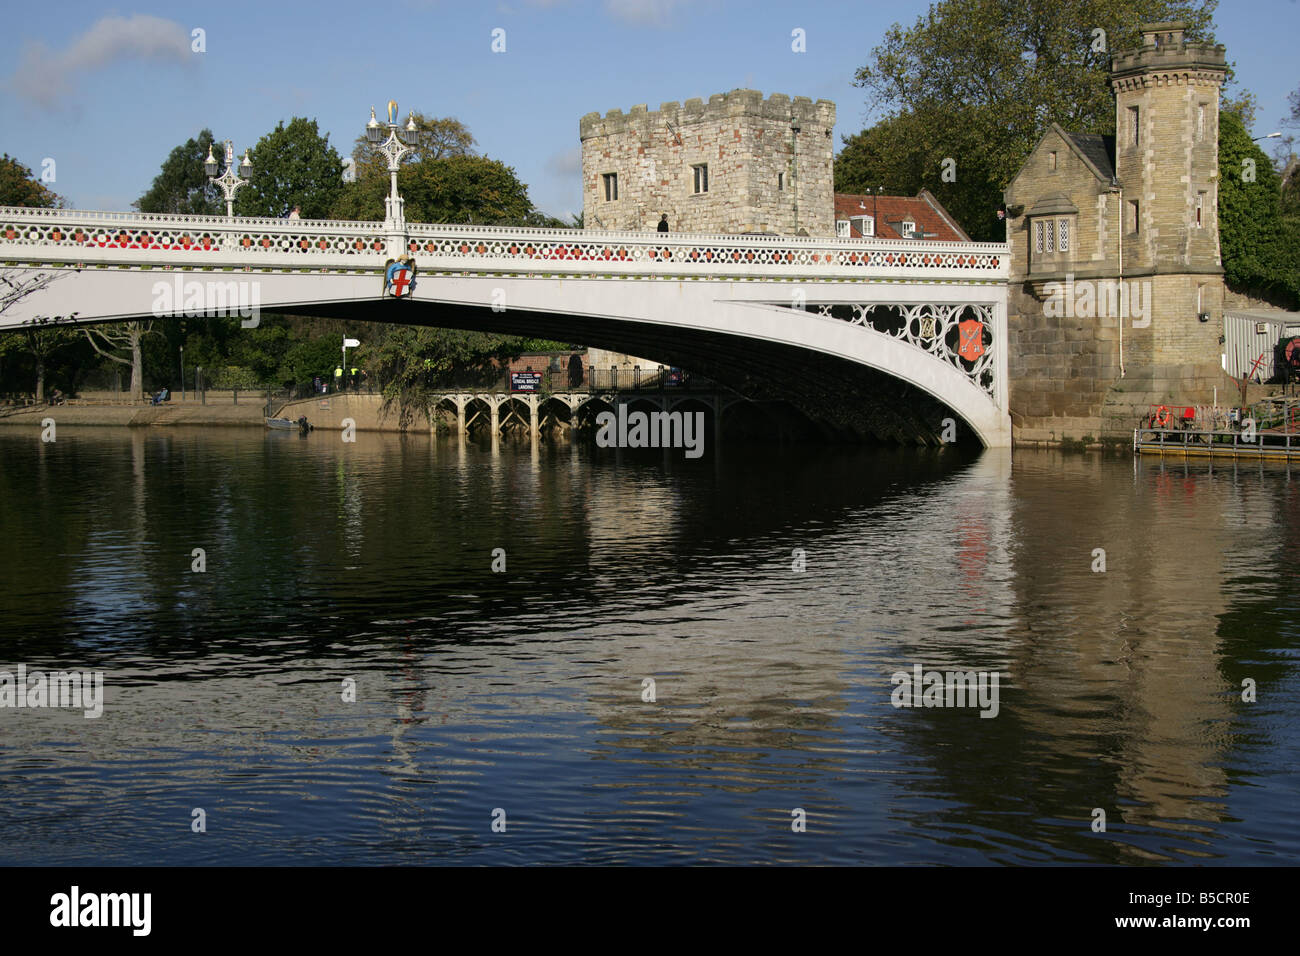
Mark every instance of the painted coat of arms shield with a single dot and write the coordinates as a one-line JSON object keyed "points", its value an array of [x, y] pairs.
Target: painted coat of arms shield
{"points": [[970, 339], [399, 278]]}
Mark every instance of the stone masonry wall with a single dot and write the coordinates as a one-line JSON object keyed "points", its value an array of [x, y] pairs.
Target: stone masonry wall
{"points": [[762, 175], [1066, 380]]}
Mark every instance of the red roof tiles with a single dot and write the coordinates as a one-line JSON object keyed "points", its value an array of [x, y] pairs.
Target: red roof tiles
{"points": [[932, 220]]}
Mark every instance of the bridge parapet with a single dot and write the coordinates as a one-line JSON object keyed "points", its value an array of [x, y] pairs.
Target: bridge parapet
{"points": [[621, 253], [69, 236], [91, 217]]}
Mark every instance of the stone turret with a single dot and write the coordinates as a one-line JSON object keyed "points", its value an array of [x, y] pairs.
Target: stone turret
{"points": [[1167, 170], [1166, 151]]}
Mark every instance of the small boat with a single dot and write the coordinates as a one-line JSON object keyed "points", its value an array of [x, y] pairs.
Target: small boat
{"points": [[288, 424]]}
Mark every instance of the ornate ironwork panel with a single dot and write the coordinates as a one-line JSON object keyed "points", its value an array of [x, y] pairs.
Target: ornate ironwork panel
{"points": [[960, 334]]}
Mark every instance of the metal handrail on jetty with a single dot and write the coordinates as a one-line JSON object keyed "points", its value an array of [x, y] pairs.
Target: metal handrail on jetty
{"points": [[1191, 443]]}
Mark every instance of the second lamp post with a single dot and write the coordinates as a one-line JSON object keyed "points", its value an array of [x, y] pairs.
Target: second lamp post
{"points": [[399, 142], [229, 181]]}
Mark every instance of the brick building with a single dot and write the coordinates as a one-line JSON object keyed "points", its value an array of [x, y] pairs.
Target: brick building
{"points": [[895, 217], [1117, 292]]}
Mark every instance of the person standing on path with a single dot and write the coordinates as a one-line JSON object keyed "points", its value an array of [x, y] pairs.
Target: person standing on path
{"points": [[663, 223]]}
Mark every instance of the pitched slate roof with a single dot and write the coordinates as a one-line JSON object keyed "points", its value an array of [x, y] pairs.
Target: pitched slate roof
{"points": [[1097, 150], [932, 220]]}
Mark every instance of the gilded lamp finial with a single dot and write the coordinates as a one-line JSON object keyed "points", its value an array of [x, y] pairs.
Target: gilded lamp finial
{"points": [[392, 112]]}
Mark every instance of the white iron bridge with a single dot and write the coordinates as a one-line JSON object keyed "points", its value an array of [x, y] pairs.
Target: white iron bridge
{"points": [[893, 336]]}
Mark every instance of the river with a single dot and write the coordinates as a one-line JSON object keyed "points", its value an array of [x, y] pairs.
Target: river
{"points": [[237, 588]]}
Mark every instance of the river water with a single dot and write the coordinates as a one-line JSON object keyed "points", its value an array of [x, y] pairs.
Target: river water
{"points": [[517, 696]]}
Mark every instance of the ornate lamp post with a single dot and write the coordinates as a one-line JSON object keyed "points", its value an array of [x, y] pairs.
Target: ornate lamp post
{"points": [[399, 142], [229, 181]]}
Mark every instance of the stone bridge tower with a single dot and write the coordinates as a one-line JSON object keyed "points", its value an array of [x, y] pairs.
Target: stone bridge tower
{"points": [[1167, 168], [1116, 298], [739, 163]]}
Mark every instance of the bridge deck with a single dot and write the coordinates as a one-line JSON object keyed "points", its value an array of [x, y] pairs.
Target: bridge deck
{"points": [[862, 311], [61, 236]]}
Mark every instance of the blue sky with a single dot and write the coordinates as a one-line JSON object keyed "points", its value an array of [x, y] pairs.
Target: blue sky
{"points": [[107, 91]]}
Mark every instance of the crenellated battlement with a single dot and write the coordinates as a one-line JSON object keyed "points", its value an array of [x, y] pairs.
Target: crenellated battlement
{"points": [[1164, 50], [735, 163], [722, 107]]}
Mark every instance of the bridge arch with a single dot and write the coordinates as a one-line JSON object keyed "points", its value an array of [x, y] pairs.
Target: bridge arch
{"points": [[803, 319]]}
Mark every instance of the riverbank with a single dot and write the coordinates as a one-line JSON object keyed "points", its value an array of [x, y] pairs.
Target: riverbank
{"points": [[327, 413], [324, 412], [134, 415]]}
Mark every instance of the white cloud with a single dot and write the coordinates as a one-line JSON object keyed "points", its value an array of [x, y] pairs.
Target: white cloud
{"points": [[655, 13], [44, 75]]}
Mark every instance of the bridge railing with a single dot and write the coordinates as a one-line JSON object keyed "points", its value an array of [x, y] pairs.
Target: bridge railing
{"points": [[146, 238], [616, 253], [57, 235], [92, 217]]}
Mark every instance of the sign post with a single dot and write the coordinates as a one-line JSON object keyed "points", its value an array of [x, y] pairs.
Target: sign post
{"points": [[347, 344]]}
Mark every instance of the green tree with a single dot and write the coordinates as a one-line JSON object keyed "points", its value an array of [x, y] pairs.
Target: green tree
{"points": [[979, 81], [457, 189], [1244, 106], [18, 187], [440, 138], [181, 186], [1289, 162], [293, 165], [311, 357], [414, 362], [1260, 251], [261, 350], [39, 345], [890, 155]]}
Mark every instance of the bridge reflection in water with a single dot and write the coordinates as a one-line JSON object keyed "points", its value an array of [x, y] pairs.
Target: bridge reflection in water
{"points": [[522, 690]]}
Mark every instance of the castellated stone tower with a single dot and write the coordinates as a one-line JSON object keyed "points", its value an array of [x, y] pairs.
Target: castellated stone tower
{"points": [[1167, 167], [738, 164], [1166, 152]]}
